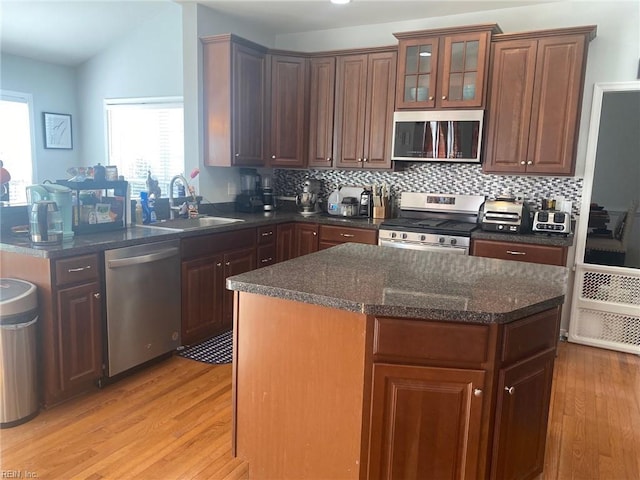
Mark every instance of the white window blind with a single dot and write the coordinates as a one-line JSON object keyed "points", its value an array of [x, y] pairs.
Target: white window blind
{"points": [[146, 135]]}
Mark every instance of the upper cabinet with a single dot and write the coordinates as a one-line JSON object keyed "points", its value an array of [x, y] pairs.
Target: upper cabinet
{"points": [[235, 101], [322, 86], [535, 99], [287, 129], [364, 105], [444, 68]]}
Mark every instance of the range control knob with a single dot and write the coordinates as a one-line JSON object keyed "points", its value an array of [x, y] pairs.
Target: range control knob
{"points": [[393, 235], [441, 240], [423, 238], [404, 235], [453, 241]]}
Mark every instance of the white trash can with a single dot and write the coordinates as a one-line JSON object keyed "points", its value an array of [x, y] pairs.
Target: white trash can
{"points": [[19, 400]]}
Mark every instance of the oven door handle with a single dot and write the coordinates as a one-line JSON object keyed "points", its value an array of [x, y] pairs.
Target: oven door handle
{"points": [[425, 247]]}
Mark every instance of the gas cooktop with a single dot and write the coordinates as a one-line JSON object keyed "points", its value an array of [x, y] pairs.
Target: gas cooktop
{"points": [[430, 225]]}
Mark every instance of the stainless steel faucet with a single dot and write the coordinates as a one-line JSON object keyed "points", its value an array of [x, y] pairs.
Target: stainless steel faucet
{"points": [[172, 207]]}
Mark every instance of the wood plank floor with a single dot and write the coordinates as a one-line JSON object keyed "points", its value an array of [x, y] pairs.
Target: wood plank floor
{"points": [[173, 421]]}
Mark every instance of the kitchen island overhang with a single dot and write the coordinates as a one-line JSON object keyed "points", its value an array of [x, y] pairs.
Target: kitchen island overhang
{"points": [[366, 362]]}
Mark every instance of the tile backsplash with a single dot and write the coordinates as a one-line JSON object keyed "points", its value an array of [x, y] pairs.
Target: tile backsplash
{"points": [[459, 178]]}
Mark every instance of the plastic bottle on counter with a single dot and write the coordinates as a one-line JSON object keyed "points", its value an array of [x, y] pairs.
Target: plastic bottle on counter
{"points": [[144, 205], [333, 203]]}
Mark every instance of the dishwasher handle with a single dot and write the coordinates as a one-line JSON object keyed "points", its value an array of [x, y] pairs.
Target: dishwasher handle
{"points": [[140, 259]]}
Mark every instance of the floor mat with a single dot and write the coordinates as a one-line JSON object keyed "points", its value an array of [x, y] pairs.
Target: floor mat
{"points": [[215, 350]]}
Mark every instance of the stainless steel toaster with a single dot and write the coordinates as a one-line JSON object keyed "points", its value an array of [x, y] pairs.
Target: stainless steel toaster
{"points": [[551, 221]]}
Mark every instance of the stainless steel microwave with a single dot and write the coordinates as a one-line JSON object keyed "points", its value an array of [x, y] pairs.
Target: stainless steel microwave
{"points": [[437, 136]]}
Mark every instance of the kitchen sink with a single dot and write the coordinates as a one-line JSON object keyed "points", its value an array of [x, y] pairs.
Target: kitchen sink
{"points": [[182, 224]]}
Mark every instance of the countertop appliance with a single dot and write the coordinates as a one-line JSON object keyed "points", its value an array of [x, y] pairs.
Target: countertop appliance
{"points": [[308, 200], [268, 196], [505, 214], [437, 136], [250, 199], [45, 224], [433, 222], [62, 196], [551, 221], [143, 303]]}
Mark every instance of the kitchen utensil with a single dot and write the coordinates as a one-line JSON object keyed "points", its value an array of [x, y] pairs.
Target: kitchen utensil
{"points": [[45, 224]]}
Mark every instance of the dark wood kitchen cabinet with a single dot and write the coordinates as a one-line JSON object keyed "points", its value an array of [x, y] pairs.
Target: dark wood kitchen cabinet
{"points": [[322, 83], [79, 323], [285, 243], [267, 246], [364, 106], [443, 68], [235, 101], [522, 252], [306, 238], [288, 107], [331, 235], [537, 81], [207, 261]]}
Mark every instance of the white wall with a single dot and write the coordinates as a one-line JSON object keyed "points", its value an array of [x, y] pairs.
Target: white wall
{"points": [[145, 63], [613, 55], [53, 88]]}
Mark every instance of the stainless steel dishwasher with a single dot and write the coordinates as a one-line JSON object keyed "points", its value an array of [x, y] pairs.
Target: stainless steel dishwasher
{"points": [[143, 303]]}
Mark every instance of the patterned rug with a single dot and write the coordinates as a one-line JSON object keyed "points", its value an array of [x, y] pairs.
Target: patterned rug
{"points": [[215, 350]]}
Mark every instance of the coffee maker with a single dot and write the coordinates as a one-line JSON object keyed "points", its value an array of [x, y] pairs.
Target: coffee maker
{"points": [[268, 195], [250, 198]]}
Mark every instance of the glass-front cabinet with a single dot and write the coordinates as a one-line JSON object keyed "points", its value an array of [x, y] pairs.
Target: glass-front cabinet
{"points": [[443, 68]]}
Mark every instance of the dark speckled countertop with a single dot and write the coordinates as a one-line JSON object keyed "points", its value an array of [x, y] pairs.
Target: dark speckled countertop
{"points": [[411, 284]]}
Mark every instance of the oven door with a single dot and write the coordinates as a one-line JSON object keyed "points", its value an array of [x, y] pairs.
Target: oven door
{"points": [[426, 247]]}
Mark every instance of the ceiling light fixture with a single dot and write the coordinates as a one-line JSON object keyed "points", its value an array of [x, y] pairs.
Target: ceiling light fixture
{"points": [[340, 2]]}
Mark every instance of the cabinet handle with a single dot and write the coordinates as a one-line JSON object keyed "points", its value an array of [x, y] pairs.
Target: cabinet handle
{"points": [[522, 162], [218, 264], [96, 295], [513, 252], [477, 392], [266, 234], [509, 390], [347, 235], [79, 269], [265, 260], [273, 157]]}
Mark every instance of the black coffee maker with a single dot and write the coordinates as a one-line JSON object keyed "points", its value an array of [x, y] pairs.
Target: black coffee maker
{"points": [[250, 198], [268, 195]]}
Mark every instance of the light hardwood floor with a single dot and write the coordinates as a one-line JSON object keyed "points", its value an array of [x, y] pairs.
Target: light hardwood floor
{"points": [[173, 420]]}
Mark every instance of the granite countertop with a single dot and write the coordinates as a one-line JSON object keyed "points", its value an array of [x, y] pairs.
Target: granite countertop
{"points": [[411, 284]]}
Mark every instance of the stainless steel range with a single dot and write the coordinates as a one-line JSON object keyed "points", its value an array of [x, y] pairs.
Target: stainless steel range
{"points": [[432, 221]]}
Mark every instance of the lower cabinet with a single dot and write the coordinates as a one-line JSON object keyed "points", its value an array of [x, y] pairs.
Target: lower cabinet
{"points": [[331, 235], [285, 243], [207, 261], [522, 252], [306, 239], [267, 246], [425, 422]]}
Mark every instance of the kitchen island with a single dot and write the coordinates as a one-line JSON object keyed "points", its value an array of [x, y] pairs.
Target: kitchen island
{"points": [[369, 362]]}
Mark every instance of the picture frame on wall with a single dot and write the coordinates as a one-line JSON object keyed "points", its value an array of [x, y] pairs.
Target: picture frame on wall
{"points": [[57, 130]]}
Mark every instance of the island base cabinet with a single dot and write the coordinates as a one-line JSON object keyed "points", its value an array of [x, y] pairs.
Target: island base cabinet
{"points": [[524, 393], [425, 422]]}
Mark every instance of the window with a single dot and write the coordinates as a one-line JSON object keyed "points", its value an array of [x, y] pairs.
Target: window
{"points": [[146, 135], [16, 144]]}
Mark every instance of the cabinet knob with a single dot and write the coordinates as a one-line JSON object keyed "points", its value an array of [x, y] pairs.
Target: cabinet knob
{"points": [[360, 160], [273, 157], [237, 154], [477, 392], [227, 263], [431, 98], [96, 295], [365, 159], [315, 233], [529, 162], [218, 264], [444, 97], [509, 390], [522, 162], [328, 159]]}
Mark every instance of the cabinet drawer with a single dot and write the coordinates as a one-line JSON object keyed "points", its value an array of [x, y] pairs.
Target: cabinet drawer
{"points": [[266, 235], [528, 336], [266, 255], [425, 340], [77, 269], [346, 234], [193, 247], [522, 252]]}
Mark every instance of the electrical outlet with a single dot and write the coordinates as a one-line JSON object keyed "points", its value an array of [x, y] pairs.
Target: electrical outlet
{"points": [[231, 188], [519, 196]]}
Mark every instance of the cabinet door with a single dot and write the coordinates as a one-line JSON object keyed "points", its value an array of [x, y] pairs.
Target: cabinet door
{"points": [[524, 392], [286, 241], [202, 289], [509, 113], [288, 100], [321, 107], [306, 238], [350, 110], [248, 106], [381, 86], [425, 422], [417, 66], [556, 105], [235, 263], [80, 324], [463, 72]]}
